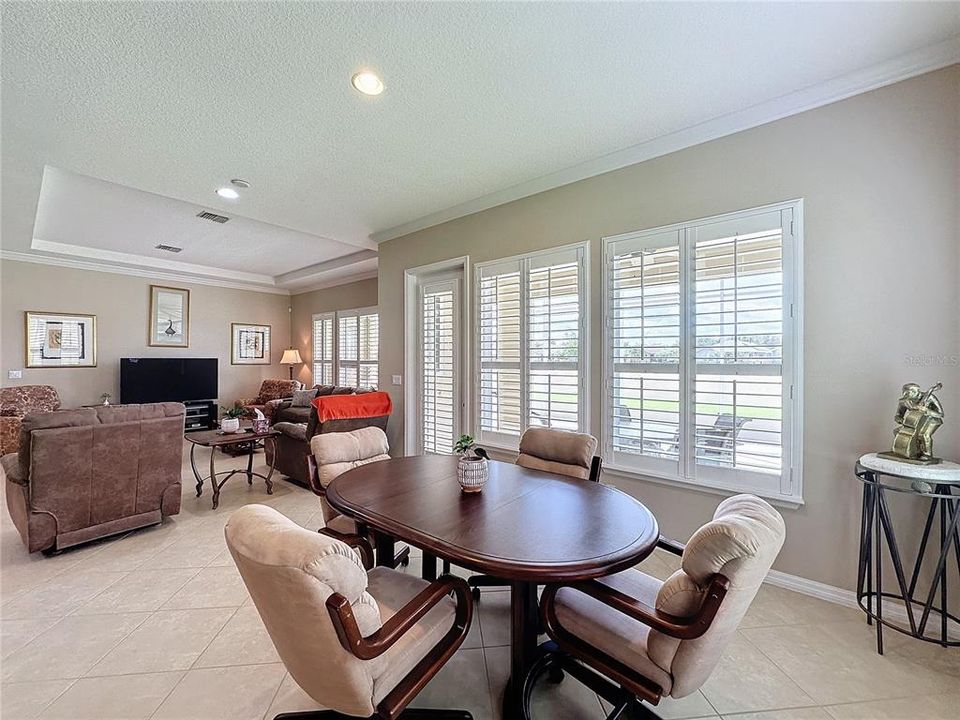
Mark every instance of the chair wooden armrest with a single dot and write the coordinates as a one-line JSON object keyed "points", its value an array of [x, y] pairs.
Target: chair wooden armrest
{"points": [[374, 645], [671, 546], [682, 628]]}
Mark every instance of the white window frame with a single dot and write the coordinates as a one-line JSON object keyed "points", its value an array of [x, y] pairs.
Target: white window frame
{"points": [[789, 489], [336, 316], [505, 441]]}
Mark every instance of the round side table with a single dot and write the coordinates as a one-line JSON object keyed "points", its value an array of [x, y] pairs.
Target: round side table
{"points": [[936, 483]]}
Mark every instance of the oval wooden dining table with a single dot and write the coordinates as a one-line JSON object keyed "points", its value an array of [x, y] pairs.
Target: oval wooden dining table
{"points": [[526, 526]]}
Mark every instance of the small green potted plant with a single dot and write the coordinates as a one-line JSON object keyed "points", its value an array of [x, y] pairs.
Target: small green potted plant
{"points": [[472, 468], [231, 418]]}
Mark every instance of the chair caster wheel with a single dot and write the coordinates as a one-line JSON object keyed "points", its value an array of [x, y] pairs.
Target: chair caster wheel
{"points": [[555, 675], [476, 594]]}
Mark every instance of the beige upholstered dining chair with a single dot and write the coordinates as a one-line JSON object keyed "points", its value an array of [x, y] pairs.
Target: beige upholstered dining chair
{"points": [[561, 452], [333, 454], [654, 639], [557, 451], [361, 644]]}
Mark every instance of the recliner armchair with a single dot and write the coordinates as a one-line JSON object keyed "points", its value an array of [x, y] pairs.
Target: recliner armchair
{"points": [[16, 403], [271, 394], [633, 639], [362, 644]]}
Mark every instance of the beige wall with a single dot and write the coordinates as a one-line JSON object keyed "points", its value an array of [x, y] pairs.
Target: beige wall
{"points": [[360, 294], [879, 176], [121, 304]]}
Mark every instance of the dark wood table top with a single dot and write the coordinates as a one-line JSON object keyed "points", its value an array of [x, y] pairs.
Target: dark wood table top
{"points": [[216, 438], [524, 525]]}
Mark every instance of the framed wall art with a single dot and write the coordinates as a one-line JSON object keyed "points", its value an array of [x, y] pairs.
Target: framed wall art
{"points": [[250, 344], [169, 317], [60, 340]]}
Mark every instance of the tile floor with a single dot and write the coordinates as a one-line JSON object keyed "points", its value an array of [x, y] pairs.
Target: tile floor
{"points": [[157, 624]]}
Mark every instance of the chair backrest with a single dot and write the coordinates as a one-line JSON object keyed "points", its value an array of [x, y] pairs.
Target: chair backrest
{"points": [[290, 572], [88, 466], [335, 453], [19, 400], [558, 451], [277, 389], [740, 543]]}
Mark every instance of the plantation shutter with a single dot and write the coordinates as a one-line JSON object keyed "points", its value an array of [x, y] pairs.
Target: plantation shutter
{"points": [[358, 338], [532, 344], [739, 348], [348, 335], [645, 336], [323, 349], [554, 341], [438, 393], [700, 342], [500, 343], [369, 333]]}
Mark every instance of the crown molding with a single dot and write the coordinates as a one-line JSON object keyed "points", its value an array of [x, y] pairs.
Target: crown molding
{"points": [[96, 266], [144, 261], [308, 273], [918, 62], [334, 282]]}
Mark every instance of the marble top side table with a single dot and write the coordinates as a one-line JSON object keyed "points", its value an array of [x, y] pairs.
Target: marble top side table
{"points": [[936, 483]]}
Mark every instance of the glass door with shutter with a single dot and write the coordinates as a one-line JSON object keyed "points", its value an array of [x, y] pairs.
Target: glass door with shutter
{"points": [[439, 398]]}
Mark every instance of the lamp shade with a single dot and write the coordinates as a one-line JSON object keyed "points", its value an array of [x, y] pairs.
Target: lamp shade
{"points": [[290, 357]]}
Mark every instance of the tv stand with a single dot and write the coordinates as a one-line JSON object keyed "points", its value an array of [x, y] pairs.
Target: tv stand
{"points": [[201, 415]]}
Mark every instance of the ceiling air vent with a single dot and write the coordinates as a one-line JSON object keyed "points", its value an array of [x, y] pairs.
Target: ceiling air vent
{"points": [[168, 248], [213, 217]]}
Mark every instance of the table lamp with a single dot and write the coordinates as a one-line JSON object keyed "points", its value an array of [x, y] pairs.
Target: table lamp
{"points": [[291, 357]]}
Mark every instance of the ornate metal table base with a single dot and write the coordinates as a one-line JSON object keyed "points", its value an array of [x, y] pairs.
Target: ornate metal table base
{"points": [[927, 617], [249, 472]]}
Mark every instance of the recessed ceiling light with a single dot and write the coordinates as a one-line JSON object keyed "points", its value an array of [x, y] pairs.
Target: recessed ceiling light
{"points": [[237, 182], [367, 82], [228, 193]]}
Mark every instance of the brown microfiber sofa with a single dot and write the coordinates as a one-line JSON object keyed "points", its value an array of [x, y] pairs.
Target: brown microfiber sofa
{"points": [[87, 473], [293, 443]]}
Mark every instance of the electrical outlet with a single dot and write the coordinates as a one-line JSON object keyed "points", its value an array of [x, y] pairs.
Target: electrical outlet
{"points": [[397, 379], [14, 374]]}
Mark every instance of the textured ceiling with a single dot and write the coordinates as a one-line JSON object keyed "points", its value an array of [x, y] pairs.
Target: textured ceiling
{"points": [[177, 98]]}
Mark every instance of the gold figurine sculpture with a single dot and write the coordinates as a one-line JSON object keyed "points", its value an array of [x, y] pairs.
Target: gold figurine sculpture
{"points": [[919, 415]]}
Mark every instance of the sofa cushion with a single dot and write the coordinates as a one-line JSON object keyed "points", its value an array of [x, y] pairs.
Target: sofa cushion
{"points": [[291, 414], [323, 389], [78, 417], [302, 398]]}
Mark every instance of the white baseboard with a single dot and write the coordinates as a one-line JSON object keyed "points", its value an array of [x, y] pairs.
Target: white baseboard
{"points": [[892, 610]]}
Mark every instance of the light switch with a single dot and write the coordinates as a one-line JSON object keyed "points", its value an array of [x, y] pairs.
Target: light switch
{"points": [[397, 379], [14, 374]]}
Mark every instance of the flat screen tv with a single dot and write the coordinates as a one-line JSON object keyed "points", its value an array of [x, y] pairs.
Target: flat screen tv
{"points": [[146, 380]]}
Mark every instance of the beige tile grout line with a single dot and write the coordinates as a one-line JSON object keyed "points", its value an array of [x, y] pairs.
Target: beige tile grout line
{"points": [[196, 659]]}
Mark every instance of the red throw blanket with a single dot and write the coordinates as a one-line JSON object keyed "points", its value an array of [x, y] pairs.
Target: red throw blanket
{"points": [[345, 407]]}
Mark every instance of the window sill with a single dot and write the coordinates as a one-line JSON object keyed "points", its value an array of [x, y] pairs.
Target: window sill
{"points": [[791, 502]]}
